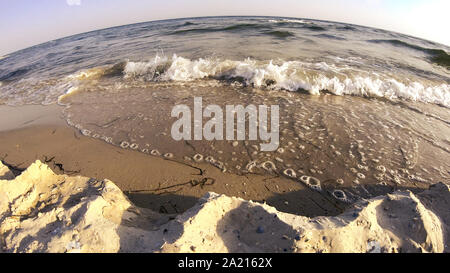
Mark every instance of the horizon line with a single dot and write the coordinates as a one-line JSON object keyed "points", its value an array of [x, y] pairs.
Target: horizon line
{"points": [[215, 16]]}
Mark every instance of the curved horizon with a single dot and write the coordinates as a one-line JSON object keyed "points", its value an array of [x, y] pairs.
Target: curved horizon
{"points": [[230, 16], [37, 23]]}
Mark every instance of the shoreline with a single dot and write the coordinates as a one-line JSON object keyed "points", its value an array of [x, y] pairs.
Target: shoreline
{"points": [[149, 181], [65, 192], [35, 132]]}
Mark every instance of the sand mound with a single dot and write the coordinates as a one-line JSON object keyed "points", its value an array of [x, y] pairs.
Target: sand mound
{"points": [[5, 173], [44, 212]]}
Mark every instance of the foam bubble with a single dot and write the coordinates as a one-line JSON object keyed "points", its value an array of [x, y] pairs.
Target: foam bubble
{"points": [[86, 132], [220, 165], [168, 155], [210, 159], [379, 176], [250, 166], [107, 139], [134, 146], [290, 173], [269, 166], [124, 144], [155, 152], [198, 158], [340, 195], [311, 182]]}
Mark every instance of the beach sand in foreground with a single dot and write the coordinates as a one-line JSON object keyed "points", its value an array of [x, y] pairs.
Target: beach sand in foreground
{"points": [[31, 133]]}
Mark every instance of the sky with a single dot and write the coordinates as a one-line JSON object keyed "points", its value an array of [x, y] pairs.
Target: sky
{"points": [[25, 23]]}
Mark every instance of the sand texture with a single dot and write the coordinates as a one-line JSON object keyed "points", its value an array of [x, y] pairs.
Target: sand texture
{"points": [[41, 211], [154, 182]]}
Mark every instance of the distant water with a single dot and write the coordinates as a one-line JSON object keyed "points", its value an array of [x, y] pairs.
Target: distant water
{"points": [[271, 53], [361, 109]]}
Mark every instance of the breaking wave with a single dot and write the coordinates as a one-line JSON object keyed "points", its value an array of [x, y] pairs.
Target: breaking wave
{"points": [[437, 56], [291, 76]]}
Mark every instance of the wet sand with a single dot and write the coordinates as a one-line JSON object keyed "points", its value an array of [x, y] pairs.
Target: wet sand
{"points": [[361, 146], [43, 212], [29, 133], [322, 128]]}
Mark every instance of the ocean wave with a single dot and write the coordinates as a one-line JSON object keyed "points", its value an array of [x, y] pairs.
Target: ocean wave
{"points": [[294, 21], [346, 28], [280, 34], [338, 77], [14, 75], [236, 27], [245, 27], [315, 28], [189, 24], [266, 29], [304, 24], [437, 56], [195, 30], [291, 76], [329, 36], [72, 90]]}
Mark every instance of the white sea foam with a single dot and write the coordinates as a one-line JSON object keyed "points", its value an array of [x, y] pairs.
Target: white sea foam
{"points": [[298, 21], [291, 76], [72, 90], [339, 78], [87, 74]]}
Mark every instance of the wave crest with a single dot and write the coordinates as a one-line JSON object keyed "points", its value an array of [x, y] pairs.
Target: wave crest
{"points": [[437, 56], [290, 76]]}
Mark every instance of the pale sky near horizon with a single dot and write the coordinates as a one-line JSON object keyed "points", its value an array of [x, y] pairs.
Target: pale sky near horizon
{"points": [[25, 23]]}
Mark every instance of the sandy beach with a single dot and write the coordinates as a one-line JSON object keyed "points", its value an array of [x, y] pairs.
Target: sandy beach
{"points": [[161, 195], [41, 211], [153, 182], [226, 134]]}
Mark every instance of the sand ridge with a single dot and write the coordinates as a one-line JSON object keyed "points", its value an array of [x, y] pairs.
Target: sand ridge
{"points": [[41, 211]]}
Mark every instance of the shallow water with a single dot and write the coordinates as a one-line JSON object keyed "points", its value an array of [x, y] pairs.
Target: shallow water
{"points": [[358, 106], [342, 141]]}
